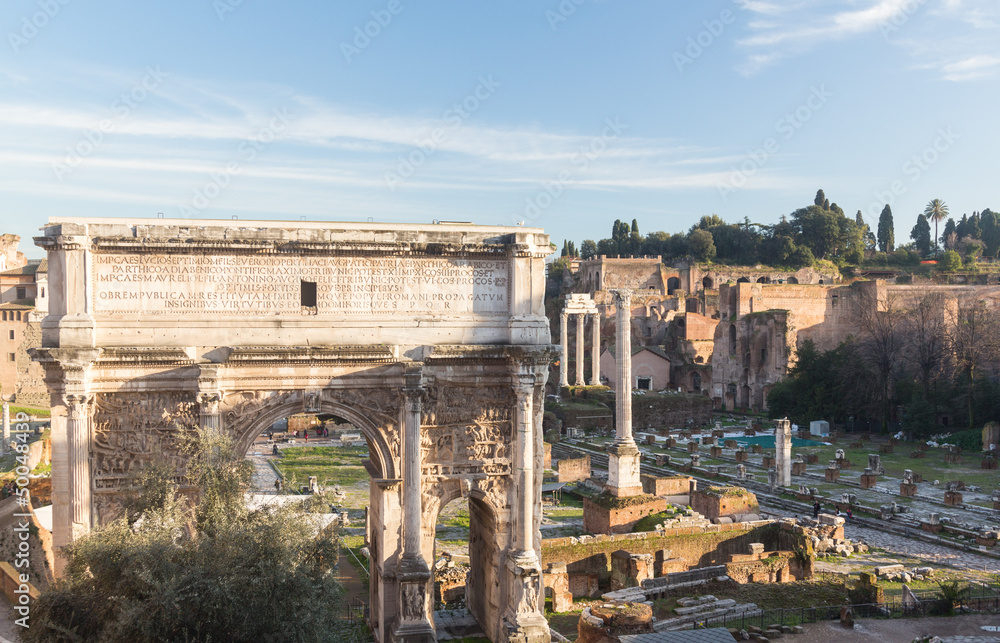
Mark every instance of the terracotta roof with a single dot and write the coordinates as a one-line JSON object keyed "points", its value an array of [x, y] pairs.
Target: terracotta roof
{"points": [[29, 269]]}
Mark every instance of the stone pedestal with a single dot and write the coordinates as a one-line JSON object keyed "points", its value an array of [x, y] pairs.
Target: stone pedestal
{"points": [[605, 623], [868, 480], [832, 475], [798, 468], [756, 449], [885, 448], [920, 453], [670, 443], [692, 447], [716, 452], [953, 498], [907, 490], [623, 470], [812, 458], [742, 456], [524, 621], [768, 462], [988, 463]]}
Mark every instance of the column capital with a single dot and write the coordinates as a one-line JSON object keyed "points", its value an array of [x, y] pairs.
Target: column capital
{"points": [[76, 404], [622, 297]]}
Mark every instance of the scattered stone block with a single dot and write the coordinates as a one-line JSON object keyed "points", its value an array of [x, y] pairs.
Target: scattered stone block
{"points": [[756, 449], [742, 456], [715, 452], [798, 468], [832, 475], [692, 447], [885, 448], [670, 443], [768, 462], [812, 458], [868, 479], [921, 453], [953, 498], [907, 490]]}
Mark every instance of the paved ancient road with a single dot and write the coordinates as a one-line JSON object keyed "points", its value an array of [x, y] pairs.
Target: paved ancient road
{"points": [[931, 553]]}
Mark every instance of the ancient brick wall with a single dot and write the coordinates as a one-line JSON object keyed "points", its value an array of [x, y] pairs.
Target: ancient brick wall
{"points": [[605, 273], [665, 410], [31, 389], [696, 547], [672, 486], [571, 470], [716, 505], [619, 520]]}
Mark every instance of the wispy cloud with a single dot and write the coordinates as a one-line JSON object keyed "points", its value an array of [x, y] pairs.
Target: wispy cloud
{"points": [[934, 32]]}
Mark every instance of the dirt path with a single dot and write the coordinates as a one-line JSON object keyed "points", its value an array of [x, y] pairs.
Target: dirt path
{"points": [[350, 579], [903, 630]]}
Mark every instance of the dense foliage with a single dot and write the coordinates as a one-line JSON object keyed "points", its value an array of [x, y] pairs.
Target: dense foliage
{"points": [[817, 231], [216, 571], [907, 365]]}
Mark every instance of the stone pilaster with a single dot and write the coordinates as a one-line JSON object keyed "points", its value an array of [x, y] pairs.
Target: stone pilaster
{"points": [[595, 350], [783, 452], [78, 421], [524, 620], [563, 350], [414, 574], [623, 460], [209, 416]]}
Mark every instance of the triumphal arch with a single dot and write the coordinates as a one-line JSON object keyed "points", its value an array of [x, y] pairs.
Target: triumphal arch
{"points": [[432, 339]]}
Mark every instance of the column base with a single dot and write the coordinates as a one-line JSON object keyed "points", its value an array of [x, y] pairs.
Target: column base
{"points": [[623, 469], [524, 621], [414, 624]]}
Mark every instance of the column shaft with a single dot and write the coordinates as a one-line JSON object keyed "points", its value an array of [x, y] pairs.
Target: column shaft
{"points": [[623, 349], [595, 350], [78, 434], [526, 482], [411, 472], [563, 351], [579, 349]]}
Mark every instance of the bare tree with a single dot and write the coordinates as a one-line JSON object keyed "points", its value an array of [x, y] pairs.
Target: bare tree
{"points": [[881, 342], [972, 341], [925, 332]]}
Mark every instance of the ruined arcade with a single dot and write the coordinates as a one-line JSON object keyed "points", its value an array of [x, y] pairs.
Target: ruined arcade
{"points": [[430, 339]]}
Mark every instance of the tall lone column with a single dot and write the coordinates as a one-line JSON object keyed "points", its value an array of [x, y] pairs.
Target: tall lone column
{"points": [[783, 451], [595, 349], [564, 351], [78, 439], [580, 318], [623, 460], [414, 574], [524, 619]]}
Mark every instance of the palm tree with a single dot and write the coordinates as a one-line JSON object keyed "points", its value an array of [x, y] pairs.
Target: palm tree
{"points": [[936, 211]]}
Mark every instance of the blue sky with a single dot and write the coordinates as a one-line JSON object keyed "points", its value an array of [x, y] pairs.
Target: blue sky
{"points": [[565, 115]]}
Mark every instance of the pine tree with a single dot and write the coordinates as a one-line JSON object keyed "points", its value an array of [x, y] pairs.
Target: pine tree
{"points": [[886, 241], [921, 235], [820, 198]]}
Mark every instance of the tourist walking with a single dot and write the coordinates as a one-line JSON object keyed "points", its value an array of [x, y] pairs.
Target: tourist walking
{"points": [[816, 508]]}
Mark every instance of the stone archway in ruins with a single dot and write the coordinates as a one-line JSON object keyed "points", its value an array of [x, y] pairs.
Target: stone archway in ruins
{"points": [[431, 340]]}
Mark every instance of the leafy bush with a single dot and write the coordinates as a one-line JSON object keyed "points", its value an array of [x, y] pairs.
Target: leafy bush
{"points": [[969, 440], [172, 570]]}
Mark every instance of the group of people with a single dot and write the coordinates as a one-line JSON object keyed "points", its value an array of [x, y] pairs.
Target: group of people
{"points": [[8, 489], [319, 432], [816, 509]]}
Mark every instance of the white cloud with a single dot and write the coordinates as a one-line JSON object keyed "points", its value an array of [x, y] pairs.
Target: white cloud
{"points": [[934, 32]]}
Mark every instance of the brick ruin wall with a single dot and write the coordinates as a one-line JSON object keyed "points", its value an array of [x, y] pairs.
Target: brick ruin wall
{"points": [[670, 410], [695, 547]]}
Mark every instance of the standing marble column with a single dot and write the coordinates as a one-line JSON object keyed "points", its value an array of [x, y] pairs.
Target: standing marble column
{"points": [[524, 619], [783, 452], [595, 349], [564, 350], [78, 439], [580, 318], [414, 574], [623, 460]]}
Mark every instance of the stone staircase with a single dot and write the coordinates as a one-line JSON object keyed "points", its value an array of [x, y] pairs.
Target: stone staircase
{"points": [[694, 610]]}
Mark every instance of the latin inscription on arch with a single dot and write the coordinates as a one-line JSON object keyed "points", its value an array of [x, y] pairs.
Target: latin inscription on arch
{"points": [[167, 284]]}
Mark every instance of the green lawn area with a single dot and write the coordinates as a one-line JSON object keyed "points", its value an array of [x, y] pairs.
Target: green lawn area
{"points": [[931, 467], [331, 465]]}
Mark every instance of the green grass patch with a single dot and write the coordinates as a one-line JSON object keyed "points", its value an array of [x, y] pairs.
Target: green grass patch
{"points": [[460, 519], [30, 410], [331, 465]]}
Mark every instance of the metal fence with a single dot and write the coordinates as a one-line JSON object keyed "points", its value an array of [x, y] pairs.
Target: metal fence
{"points": [[985, 600]]}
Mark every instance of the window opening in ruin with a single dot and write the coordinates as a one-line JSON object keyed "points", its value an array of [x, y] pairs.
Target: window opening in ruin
{"points": [[11, 357], [43, 292], [12, 334], [5, 315], [696, 381], [820, 282], [644, 383], [19, 316], [706, 283], [836, 300], [793, 280], [732, 340], [763, 355], [21, 293], [673, 284], [308, 294]]}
